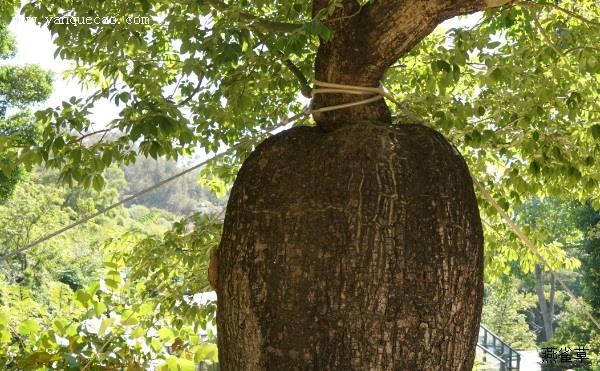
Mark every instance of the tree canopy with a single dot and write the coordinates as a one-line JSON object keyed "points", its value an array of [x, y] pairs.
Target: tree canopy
{"points": [[517, 91]]}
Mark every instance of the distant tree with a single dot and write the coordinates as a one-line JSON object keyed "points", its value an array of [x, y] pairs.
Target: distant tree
{"points": [[20, 87], [573, 326], [33, 210], [551, 223], [575, 330], [504, 313], [39, 283]]}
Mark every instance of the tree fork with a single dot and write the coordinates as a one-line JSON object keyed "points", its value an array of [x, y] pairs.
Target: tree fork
{"points": [[367, 40]]}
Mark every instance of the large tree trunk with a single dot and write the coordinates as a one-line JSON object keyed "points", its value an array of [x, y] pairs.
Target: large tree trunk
{"points": [[354, 245], [355, 250]]}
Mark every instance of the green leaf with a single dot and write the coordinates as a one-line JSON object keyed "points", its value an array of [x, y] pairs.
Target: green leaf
{"points": [[595, 129], [318, 29], [498, 74], [185, 365], [59, 326], [128, 318], [230, 53], [3, 317], [138, 332], [214, 183], [146, 6], [112, 284], [71, 330], [441, 65], [534, 167], [99, 308], [206, 352], [111, 264], [456, 72], [166, 334], [4, 335], [83, 298], [75, 156], [105, 326], [29, 328], [146, 309], [98, 183], [107, 158], [493, 44], [156, 345], [172, 363]]}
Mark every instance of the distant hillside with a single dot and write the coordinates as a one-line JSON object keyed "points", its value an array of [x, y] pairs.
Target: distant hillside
{"points": [[182, 196]]}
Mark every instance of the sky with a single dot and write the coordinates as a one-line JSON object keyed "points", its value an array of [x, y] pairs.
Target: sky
{"points": [[35, 46]]}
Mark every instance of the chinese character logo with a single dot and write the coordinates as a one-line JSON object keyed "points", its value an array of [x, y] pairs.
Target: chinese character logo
{"points": [[564, 355]]}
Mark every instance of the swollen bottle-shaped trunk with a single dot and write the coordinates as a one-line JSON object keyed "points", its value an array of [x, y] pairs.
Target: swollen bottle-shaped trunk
{"points": [[356, 249]]}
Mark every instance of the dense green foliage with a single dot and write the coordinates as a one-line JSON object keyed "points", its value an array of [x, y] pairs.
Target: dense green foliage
{"points": [[511, 308], [73, 303], [574, 328], [120, 321], [489, 86], [503, 313], [517, 93], [86, 299], [589, 222], [38, 206]]}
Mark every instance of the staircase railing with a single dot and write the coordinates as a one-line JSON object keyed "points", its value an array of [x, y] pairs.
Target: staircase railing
{"points": [[500, 362], [492, 344]]}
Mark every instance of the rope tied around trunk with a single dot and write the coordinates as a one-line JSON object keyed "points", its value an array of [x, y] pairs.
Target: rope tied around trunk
{"points": [[379, 93]]}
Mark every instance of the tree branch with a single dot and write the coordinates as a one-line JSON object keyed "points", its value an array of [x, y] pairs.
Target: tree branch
{"points": [[189, 97], [81, 138], [560, 8], [368, 39], [552, 292], [574, 49], [305, 88], [375, 35], [397, 26], [264, 24], [545, 36]]}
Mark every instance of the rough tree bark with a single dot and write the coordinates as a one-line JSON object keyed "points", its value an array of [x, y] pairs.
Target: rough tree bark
{"points": [[354, 245]]}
